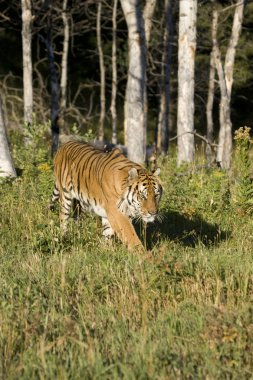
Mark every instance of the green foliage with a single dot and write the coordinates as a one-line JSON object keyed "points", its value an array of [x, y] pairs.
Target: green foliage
{"points": [[86, 137], [75, 307], [243, 190], [31, 147]]}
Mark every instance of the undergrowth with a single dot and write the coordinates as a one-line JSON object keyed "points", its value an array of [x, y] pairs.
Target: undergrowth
{"points": [[75, 307]]}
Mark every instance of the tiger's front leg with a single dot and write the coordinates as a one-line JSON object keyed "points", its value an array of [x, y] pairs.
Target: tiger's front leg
{"points": [[107, 230], [124, 229]]}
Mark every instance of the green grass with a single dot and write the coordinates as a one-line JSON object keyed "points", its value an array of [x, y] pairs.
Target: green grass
{"points": [[74, 307]]}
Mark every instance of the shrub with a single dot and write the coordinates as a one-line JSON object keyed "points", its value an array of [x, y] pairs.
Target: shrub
{"points": [[242, 188]]}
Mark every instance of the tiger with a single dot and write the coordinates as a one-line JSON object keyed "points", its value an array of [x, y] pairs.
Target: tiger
{"points": [[110, 185]]}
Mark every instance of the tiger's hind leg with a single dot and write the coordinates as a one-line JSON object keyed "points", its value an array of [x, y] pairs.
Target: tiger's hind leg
{"points": [[77, 209], [54, 198], [107, 230], [65, 208]]}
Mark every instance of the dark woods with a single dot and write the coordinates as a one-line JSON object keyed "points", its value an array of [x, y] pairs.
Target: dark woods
{"points": [[81, 74]]}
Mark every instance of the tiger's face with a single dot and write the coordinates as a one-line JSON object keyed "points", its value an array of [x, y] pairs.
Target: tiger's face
{"points": [[143, 195]]}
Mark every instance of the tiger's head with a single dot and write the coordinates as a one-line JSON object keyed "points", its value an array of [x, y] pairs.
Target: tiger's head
{"points": [[142, 195]]}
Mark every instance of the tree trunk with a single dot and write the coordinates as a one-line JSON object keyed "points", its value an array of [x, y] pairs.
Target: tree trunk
{"points": [[64, 65], [55, 90], [27, 60], [225, 75], [102, 74], [186, 62], [147, 17], [209, 109], [6, 166], [135, 118], [114, 73], [233, 41], [163, 117]]}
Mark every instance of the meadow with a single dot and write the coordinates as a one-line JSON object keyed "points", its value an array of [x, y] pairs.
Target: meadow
{"points": [[76, 307]]}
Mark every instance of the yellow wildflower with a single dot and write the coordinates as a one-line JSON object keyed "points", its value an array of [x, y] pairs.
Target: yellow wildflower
{"points": [[44, 167]]}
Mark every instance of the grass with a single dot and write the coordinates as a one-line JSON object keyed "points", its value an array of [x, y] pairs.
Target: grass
{"points": [[74, 307]]}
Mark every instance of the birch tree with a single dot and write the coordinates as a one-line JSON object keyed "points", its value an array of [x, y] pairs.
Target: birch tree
{"points": [[135, 118], [54, 83], [55, 17], [209, 108], [6, 166], [186, 63], [27, 59], [114, 73], [64, 63], [102, 74], [148, 13], [225, 75], [147, 17], [163, 117]]}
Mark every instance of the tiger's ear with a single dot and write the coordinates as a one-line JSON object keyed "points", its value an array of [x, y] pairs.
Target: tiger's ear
{"points": [[157, 172], [132, 174]]}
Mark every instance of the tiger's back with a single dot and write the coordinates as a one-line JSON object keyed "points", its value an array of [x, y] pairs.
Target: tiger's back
{"points": [[108, 184]]}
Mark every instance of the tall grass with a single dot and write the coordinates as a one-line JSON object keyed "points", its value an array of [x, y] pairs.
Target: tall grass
{"points": [[74, 307]]}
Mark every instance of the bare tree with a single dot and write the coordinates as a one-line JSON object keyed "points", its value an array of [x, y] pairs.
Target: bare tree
{"points": [[6, 166], [54, 82], [186, 63], [114, 73], [163, 117], [135, 118], [64, 64], [225, 75], [27, 60], [148, 13], [52, 16], [209, 108], [102, 74], [147, 17]]}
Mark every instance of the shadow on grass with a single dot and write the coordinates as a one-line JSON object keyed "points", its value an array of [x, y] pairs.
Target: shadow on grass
{"points": [[185, 231]]}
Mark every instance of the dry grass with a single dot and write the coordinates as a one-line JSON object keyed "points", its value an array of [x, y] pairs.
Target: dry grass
{"points": [[75, 308]]}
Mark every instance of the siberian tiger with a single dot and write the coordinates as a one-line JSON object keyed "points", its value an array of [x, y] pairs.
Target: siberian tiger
{"points": [[115, 188]]}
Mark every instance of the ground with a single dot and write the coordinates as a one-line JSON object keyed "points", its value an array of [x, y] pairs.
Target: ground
{"points": [[73, 307]]}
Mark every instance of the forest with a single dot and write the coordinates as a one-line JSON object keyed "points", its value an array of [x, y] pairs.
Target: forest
{"points": [[76, 71], [170, 83]]}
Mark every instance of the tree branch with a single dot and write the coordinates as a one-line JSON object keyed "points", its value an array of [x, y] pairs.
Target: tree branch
{"points": [[195, 134]]}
